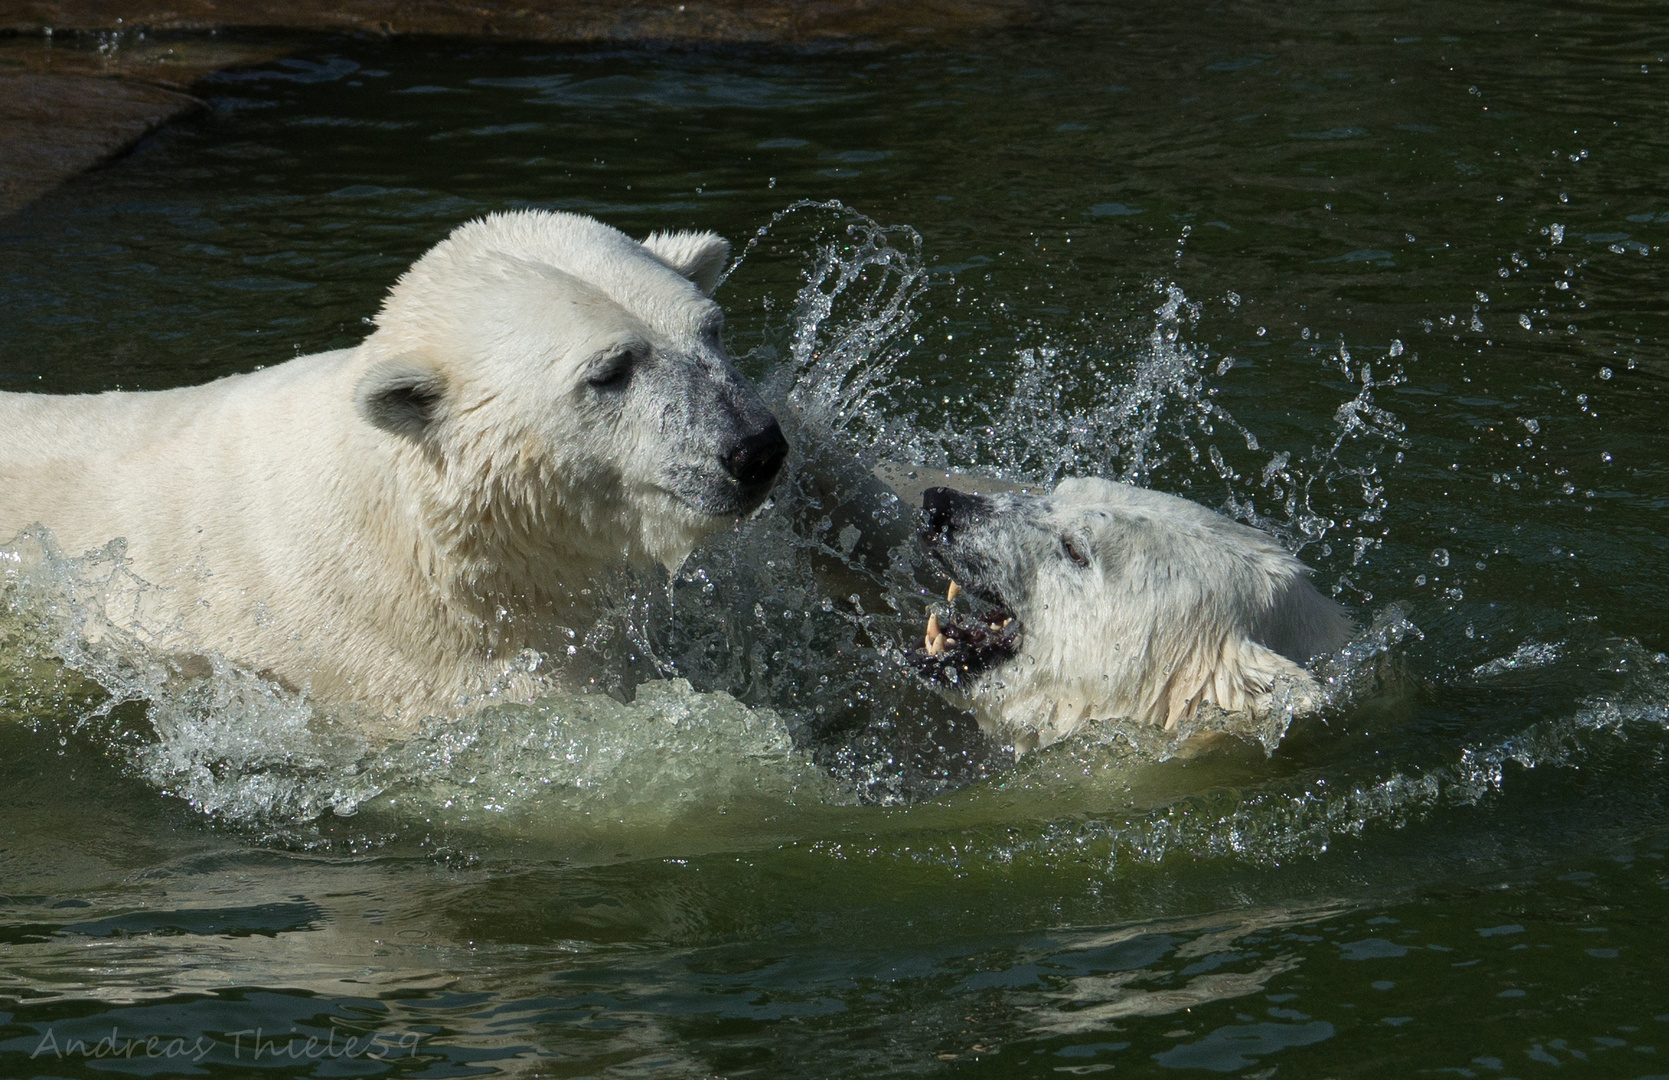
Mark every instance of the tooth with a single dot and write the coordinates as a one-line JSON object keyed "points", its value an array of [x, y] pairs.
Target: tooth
{"points": [[939, 645], [933, 626], [1005, 623], [950, 593]]}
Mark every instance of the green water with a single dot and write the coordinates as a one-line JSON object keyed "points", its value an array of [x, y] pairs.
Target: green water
{"points": [[1160, 244]]}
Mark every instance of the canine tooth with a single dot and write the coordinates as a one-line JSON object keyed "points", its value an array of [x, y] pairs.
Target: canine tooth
{"points": [[950, 593], [933, 627], [1005, 624]]}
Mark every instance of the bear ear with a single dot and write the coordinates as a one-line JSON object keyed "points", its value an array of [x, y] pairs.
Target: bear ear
{"points": [[699, 256], [400, 396]]}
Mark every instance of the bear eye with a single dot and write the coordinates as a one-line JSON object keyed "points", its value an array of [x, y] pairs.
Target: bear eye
{"points": [[613, 373], [1072, 552]]}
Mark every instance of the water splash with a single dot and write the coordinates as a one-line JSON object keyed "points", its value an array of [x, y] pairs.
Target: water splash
{"points": [[770, 662], [1147, 412], [1276, 823], [853, 320], [1274, 826], [242, 749], [1530, 654]]}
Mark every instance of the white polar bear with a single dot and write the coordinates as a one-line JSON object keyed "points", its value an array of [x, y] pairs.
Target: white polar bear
{"points": [[1113, 602], [543, 400]]}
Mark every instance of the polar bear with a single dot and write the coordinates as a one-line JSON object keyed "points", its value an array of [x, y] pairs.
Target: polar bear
{"points": [[1109, 601], [544, 399]]}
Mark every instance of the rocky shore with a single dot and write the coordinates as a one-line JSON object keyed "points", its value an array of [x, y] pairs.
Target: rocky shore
{"points": [[82, 81]]}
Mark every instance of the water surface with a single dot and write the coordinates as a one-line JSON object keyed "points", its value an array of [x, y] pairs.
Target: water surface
{"points": [[1386, 281]]}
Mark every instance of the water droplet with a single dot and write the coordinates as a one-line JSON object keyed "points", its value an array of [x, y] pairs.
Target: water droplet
{"points": [[1440, 556]]}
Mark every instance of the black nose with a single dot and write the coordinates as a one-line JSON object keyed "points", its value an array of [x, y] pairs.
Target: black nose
{"points": [[941, 505], [758, 457]]}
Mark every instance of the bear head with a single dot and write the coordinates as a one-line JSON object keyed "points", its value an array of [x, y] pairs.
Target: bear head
{"points": [[564, 392], [1109, 601]]}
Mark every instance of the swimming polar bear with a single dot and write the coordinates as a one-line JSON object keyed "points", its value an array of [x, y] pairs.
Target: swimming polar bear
{"points": [[543, 400], [1109, 601]]}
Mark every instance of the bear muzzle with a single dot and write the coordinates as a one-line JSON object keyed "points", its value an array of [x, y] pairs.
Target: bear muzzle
{"points": [[757, 458], [944, 510], [962, 646]]}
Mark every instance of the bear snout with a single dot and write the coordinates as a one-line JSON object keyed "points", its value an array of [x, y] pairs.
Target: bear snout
{"points": [[942, 507], [755, 461]]}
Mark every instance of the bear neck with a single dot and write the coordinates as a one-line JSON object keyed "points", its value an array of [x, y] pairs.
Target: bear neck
{"points": [[510, 556]]}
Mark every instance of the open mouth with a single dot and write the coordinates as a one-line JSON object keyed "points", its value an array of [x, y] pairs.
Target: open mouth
{"points": [[961, 646]]}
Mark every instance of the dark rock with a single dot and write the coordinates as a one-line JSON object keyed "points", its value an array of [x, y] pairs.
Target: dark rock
{"points": [[53, 126], [106, 84], [533, 20]]}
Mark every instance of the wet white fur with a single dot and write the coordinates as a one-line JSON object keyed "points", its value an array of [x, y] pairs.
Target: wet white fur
{"points": [[282, 529], [1179, 607]]}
